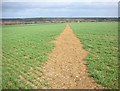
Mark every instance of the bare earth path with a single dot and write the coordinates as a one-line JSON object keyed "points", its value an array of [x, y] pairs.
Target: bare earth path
{"points": [[66, 68]]}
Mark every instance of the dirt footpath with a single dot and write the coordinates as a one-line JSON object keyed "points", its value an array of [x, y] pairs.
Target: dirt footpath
{"points": [[65, 68]]}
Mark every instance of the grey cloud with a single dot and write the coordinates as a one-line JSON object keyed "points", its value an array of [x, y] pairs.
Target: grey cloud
{"points": [[29, 9]]}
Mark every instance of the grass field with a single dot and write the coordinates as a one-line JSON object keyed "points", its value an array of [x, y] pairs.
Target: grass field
{"points": [[100, 39], [25, 48]]}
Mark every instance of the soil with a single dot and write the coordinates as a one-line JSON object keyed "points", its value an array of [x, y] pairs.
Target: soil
{"points": [[66, 67]]}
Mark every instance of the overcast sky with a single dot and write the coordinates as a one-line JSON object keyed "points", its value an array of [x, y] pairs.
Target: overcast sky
{"points": [[74, 8]]}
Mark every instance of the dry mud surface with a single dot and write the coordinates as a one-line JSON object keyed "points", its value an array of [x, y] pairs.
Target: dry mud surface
{"points": [[65, 68]]}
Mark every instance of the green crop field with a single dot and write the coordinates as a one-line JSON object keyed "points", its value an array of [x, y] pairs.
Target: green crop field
{"points": [[100, 39], [25, 48]]}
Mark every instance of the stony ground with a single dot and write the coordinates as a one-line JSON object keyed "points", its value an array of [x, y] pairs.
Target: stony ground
{"points": [[65, 68]]}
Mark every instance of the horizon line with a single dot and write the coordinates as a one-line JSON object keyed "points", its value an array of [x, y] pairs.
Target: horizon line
{"points": [[56, 17]]}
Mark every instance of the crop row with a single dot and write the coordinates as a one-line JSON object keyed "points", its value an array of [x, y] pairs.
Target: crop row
{"points": [[100, 39], [25, 49]]}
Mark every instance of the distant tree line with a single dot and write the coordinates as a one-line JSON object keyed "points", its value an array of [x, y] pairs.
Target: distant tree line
{"points": [[54, 20]]}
